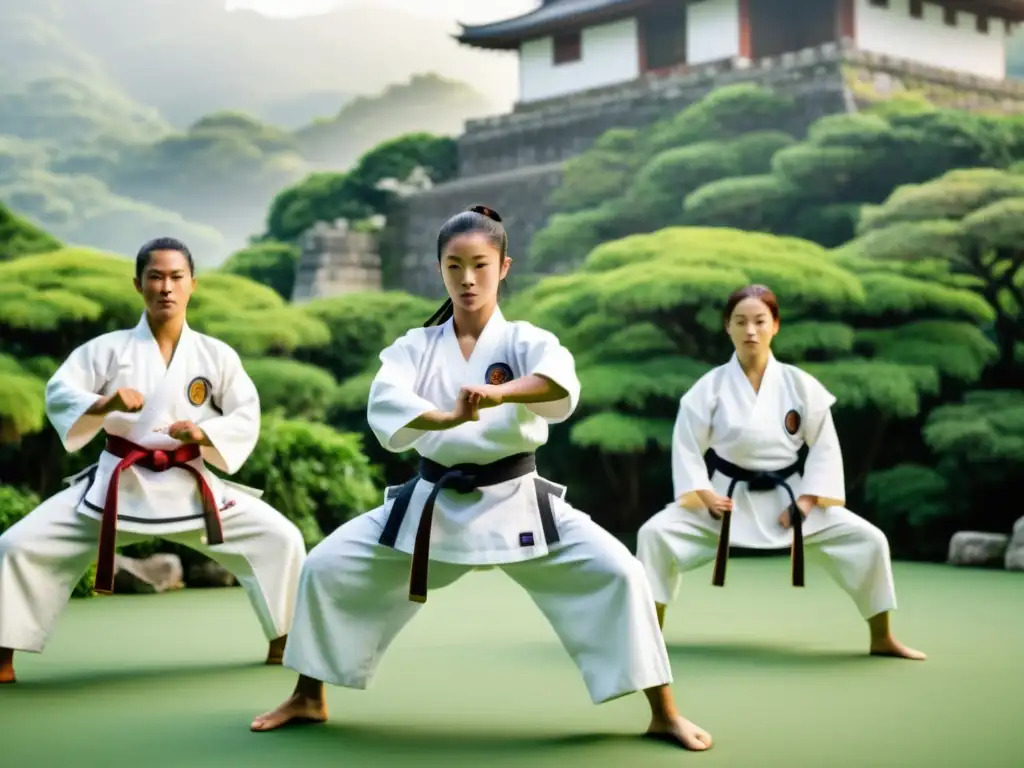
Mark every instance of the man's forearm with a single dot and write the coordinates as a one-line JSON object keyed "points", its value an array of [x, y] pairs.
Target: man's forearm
{"points": [[531, 389], [99, 408], [433, 421]]}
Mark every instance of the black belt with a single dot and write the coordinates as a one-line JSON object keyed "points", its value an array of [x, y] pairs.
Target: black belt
{"points": [[462, 478], [758, 481]]}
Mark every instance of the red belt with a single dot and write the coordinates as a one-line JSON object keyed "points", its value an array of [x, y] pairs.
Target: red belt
{"points": [[156, 461]]}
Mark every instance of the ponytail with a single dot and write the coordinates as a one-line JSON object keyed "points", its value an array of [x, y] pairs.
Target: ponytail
{"points": [[476, 219], [443, 314]]}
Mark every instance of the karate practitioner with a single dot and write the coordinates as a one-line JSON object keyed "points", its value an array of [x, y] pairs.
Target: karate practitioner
{"points": [[476, 393], [170, 400], [755, 413]]}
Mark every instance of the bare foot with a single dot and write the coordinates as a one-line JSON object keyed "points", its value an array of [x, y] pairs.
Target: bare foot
{"points": [[275, 654], [890, 646], [681, 732], [296, 710]]}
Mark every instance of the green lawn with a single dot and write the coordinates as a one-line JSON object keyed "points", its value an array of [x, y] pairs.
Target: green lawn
{"points": [[778, 676]]}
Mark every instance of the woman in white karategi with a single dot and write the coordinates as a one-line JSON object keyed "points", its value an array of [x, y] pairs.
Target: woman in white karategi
{"points": [[745, 431], [473, 394], [169, 400]]}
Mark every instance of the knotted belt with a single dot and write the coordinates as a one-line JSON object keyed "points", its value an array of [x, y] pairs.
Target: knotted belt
{"points": [[156, 461], [758, 481], [461, 478]]}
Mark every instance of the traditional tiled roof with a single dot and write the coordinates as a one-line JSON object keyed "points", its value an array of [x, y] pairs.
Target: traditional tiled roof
{"points": [[555, 15], [550, 16]]}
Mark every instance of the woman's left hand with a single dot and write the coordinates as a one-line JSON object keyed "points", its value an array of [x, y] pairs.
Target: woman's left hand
{"points": [[804, 504]]}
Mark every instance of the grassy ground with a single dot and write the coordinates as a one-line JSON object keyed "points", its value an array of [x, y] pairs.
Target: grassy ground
{"points": [[777, 675]]}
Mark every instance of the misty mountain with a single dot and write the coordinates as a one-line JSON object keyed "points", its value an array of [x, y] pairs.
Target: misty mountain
{"points": [[188, 58]]}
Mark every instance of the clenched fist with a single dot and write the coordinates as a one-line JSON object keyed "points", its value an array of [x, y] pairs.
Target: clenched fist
{"points": [[187, 432], [717, 505], [485, 395], [125, 400]]}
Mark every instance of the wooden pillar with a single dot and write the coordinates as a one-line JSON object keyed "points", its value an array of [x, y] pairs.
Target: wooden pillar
{"points": [[746, 48], [846, 19], [641, 45]]}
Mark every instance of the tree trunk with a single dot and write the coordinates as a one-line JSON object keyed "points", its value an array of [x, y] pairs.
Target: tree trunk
{"points": [[871, 454]]}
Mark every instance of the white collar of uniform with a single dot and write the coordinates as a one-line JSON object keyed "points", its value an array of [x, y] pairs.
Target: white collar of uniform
{"points": [[143, 331], [496, 323], [771, 371]]}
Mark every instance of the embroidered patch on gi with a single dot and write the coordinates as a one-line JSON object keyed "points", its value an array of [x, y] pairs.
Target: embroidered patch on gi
{"points": [[526, 539], [792, 422], [498, 373], [198, 391]]}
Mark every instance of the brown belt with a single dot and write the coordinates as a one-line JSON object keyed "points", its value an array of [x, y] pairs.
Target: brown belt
{"points": [[757, 480], [156, 461]]}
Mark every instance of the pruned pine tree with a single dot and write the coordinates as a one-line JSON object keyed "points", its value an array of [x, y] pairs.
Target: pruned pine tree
{"points": [[644, 317]]}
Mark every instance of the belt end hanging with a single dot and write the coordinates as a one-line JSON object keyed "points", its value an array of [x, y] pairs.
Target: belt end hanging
{"points": [[417, 598], [722, 556], [797, 554]]}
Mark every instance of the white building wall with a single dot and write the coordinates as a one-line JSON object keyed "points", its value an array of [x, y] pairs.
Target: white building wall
{"points": [[610, 55], [712, 30], [929, 40]]}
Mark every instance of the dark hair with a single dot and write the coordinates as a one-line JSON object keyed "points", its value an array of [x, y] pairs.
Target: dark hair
{"points": [[478, 219], [161, 244], [760, 292]]}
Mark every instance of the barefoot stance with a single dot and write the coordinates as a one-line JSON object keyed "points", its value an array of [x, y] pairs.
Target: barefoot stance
{"points": [[681, 732], [297, 710], [890, 646]]}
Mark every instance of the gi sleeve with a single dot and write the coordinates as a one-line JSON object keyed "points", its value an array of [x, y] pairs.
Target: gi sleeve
{"points": [[235, 432], [393, 402], [540, 353], [691, 438], [823, 471], [73, 390]]}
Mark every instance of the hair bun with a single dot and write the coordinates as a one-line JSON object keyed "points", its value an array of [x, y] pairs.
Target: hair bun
{"points": [[490, 213]]}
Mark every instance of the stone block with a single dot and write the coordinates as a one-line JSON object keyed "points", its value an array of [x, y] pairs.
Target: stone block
{"points": [[974, 548], [1014, 560]]}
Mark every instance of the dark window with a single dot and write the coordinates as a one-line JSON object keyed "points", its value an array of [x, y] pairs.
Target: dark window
{"points": [[663, 31], [568, 47], [949, 16], [981, 23], [917, 8]]}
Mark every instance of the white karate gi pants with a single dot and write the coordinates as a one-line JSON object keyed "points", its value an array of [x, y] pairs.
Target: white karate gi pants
{"points": [[852, 551], [354, 600], [45, 554]]}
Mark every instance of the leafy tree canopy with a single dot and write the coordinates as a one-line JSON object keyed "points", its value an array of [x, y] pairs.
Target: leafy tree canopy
{"points": [[269, 263], [328, 196], [51, 303], [18, 237], [643, 317], [963, 229]]}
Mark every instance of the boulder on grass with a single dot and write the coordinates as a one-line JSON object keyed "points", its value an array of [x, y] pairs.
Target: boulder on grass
{"points": [[158, 573], [977, 549], [1015, 550]]}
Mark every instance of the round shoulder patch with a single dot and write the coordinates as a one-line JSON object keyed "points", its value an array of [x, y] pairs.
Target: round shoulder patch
{"points": [[198, 391], [498, 373], [792, 422]]}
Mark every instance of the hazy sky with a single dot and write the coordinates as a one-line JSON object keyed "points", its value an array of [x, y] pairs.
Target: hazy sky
{"points": [[468, 11]]}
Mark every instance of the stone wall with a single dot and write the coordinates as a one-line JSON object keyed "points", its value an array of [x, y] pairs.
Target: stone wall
{"points": [[519, 196], [820, 78], [513, 162], [336, 260]]}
